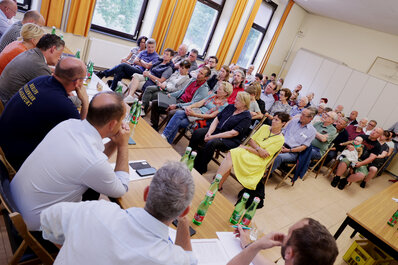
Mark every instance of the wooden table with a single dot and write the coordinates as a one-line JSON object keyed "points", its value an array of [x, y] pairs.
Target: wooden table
{"points": [[370, 219]]}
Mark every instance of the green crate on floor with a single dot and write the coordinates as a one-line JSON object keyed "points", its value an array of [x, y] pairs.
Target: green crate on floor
{"points": [[363, 252]]}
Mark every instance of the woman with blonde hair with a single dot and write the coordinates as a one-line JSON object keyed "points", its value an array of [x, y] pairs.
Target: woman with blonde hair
{"points": [[30, 36]]}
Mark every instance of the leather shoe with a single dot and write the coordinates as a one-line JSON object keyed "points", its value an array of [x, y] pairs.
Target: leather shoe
{"points": [[335, 181], [342, 184]]}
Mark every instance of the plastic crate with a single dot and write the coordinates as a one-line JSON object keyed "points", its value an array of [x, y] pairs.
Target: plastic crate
{"points": [[363, 252]]}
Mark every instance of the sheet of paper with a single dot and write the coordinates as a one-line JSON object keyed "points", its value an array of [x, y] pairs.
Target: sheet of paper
{"points": [[133, 174], [230, 243], [209, 252]]}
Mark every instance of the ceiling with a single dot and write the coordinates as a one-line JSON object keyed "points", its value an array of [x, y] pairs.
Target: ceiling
{"points": [[381, 15]]}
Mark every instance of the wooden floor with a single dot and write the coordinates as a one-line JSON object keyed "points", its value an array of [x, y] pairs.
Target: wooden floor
{"points": [[310, 198]]}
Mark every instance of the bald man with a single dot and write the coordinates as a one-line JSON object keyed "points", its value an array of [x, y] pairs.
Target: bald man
{"points": [[72, 159], [39, 106], [13, 32], [8, 10]]}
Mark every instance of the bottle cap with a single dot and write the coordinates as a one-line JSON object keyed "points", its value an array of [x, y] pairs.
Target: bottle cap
{"points": [[209, 193], [218, 176], [194, 154], [140, 102], [188, 149], [257, 200], [246, 195]]}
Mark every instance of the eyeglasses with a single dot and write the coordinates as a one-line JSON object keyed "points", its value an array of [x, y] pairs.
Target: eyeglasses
{"points": [[372, 125]]}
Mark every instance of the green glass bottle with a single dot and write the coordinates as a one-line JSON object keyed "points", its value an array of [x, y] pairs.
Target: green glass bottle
{"points": [[132, 110], [137, 113], [202, 209], [90, 70], [185, 157], [77, 55], [249, 214], [239, 209], [393, 220], [191, 160], [214, 187], [53, 30], [119, 88]]}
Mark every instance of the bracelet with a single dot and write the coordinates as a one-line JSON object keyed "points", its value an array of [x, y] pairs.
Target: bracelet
{"points": [[249, 244]]}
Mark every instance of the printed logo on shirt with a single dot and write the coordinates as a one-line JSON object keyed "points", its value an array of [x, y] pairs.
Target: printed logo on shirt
{"points": [[303, 135], [27, 94]]}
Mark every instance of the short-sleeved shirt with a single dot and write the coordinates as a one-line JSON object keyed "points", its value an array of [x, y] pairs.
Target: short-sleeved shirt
{"points": [[211, 106], [278, 106], [329, 130], [235, 91], [254, 106], [352, 132], [371, 147], [297, 135], [134, 52], [239, 122], [30, 114], [148, 58], [190, 91]]}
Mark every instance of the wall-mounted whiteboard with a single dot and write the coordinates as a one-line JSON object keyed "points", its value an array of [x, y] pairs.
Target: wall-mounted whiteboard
{"points": [[370, 96], [385, 69]]}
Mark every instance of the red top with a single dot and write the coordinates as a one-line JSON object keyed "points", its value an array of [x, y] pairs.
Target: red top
{"points": [[232, 97], [352, 132], [10, 52], [190, 91]]}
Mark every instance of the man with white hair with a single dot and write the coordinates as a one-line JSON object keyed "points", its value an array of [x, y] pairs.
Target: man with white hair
{"points": [[325, 134], [339, 108], [370, 127], [250, 78], [297, 109], [100, 232], [8, 10], [180, 56]]}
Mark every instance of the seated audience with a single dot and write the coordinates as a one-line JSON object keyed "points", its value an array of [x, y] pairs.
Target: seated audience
{"points": [[301, 105], [271, 79], [216, 80], [259, 77], [338, 109], [342, 136], [159, 72], [370, 127], [225, 132], [371, 151], [320, 111], [8, 9], [100, 232], [195, 91], [254, 109], [178, 80], [193, 55], [238, 79], [13, 32], [250, 161], [39, 106], [355, 130], [30, 36], [143, 61], [181, 55], [293, 99], [29, 65], [307, 242], [376, 164], [212, 62], [299, 134], [72, 158], [141, 43], [282, 104], [206, 109], [268, 95], [352, 119], [250, 78]]}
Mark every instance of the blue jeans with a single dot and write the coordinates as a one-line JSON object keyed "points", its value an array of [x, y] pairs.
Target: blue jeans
{"points": [[121, 71], [315, 153], [284, 158], [178, 121]]}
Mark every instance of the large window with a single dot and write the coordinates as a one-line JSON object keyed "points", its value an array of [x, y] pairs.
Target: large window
{"points": [[256, 34], [202, 25], [119, 17]]}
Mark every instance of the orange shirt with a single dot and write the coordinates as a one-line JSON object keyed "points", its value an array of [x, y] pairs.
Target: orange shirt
{"points": [[10, 52]]}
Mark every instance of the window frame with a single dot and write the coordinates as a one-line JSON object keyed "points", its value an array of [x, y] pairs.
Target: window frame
{"points": [[219, 8], [119, 34], [274, 6], [26, 6]]}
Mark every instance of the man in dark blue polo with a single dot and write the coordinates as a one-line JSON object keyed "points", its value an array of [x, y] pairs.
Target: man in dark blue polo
{"points": [[38, 107]]}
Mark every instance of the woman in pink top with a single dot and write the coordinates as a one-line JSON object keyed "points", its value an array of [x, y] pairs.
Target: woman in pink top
{"points": [[30, 36]]}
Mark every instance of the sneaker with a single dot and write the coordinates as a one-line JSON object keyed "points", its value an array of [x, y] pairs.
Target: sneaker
{"points": [[129, 99], [343, 182], [363, 184], [100, 74], [163, 136], [335, 181]]}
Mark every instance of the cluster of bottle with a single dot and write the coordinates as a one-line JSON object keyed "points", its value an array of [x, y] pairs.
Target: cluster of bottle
{"points": [[236, 214], [393, 220], [53, 32], [90, 69], [134, 113], [189, 158]]}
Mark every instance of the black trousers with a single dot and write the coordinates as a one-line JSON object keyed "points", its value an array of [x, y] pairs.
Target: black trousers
{"points": [[206, 150]]}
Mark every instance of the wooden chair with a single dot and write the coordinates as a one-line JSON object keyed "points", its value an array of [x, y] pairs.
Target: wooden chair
{"points": [[381, 169], [267, 171], [319, 162], [10, 169], [287, 175], [28, 240]]}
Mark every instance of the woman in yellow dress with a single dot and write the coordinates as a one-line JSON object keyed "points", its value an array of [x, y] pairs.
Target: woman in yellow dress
{"points": [[250, 161]]}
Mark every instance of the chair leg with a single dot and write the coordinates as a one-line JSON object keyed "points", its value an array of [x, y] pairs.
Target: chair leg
{"points": [[320, 167], [286, 177], [334, 166], [18, 254], [179, 136]]}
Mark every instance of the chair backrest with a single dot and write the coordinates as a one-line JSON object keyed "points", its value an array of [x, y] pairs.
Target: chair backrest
{"points": [[254, 130], [270, 165]]}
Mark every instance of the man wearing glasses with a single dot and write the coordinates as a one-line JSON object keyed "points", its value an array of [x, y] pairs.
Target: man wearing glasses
{"points": [[370, 127], [8, 10], [299, 134], [39, 106]]}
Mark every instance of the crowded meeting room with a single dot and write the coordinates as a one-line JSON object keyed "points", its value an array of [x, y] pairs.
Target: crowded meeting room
{"points": [[205, 132]]}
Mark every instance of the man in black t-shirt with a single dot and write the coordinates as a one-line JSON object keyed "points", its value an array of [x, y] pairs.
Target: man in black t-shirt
{"points": [[372, 149]]}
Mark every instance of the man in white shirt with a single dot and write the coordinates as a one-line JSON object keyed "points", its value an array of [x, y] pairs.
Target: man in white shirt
{"points": [[99, 232], [307, 242], [250, 78], [370, 127], [72, 158], [8, 10]]}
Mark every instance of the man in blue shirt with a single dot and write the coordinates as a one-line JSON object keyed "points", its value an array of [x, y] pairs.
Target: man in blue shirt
{"points": [[142, 62], [39, 106], [299, 134]]}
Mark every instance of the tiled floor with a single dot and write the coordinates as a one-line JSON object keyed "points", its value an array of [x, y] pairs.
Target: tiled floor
{"points": [[310, 198]]}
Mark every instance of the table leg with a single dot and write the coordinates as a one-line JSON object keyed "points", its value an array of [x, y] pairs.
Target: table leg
{"points": [[353, 233], [341, 228]]}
